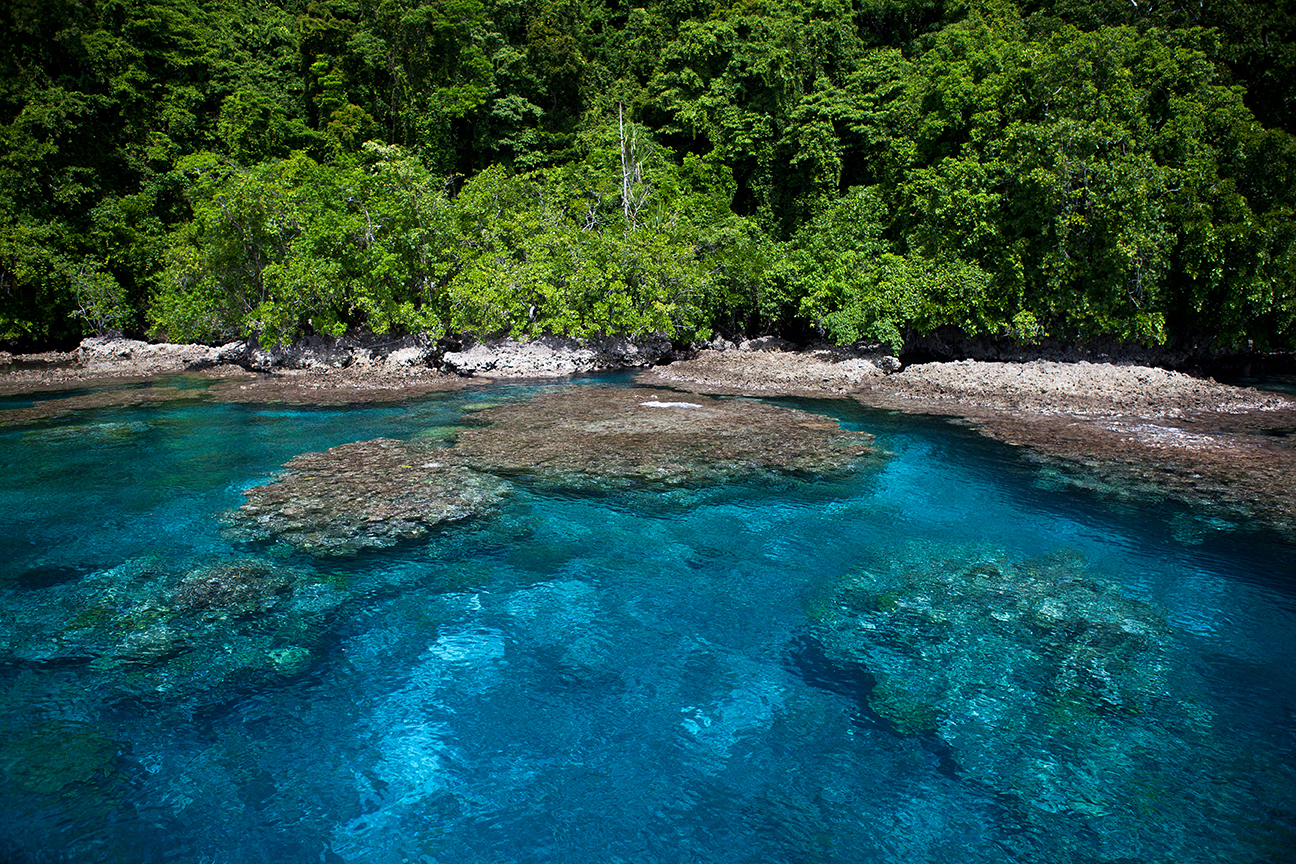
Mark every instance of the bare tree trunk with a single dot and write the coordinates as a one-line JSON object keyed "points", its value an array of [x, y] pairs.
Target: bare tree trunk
{"points": [[626, 161]]}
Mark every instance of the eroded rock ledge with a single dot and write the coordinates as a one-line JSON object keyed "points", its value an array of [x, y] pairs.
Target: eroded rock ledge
{"points": [[768, 370], [357, 363], [103, 371], [552, 356], [1134, 431]]}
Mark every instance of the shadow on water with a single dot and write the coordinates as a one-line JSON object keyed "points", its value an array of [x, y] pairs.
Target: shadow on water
{"points": [[1274, 382], [45, 576]]}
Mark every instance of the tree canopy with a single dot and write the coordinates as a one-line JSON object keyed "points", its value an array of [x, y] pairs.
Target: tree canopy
{"points": [[863, 169]]}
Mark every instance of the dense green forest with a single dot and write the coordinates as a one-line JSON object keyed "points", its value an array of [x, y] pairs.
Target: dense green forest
{"points": [[861, 169]]}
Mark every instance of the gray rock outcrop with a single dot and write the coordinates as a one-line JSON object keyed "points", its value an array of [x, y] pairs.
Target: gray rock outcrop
{"points": [[553, 356]]}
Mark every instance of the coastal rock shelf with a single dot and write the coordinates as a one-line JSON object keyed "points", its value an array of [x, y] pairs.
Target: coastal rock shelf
{"points": [[606, 436], [381, 492], [366, 494], [1048, 686]]}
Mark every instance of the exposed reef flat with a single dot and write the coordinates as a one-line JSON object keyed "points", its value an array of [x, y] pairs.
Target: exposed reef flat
{"points": [[1081, 389], [1131, 431], [1070, 701], [361, 495], [349, 386], [609, 436], [228, 383], [104, 373], [381, 492], [117, 394]]}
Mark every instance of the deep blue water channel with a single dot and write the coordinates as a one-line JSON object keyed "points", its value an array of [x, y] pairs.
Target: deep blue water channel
{"points": [[637, 676]]}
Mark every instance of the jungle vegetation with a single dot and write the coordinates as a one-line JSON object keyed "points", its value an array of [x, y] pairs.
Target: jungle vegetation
{"points": [[862, 169]]}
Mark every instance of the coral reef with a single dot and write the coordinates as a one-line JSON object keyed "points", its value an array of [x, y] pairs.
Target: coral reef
{"points": [[1053, 690], [183, 635], [239, 588], [594, 436], [381, 492], [366, 494]]}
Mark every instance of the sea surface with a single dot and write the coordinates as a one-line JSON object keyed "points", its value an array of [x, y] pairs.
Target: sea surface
{"points": [[645, 675]]}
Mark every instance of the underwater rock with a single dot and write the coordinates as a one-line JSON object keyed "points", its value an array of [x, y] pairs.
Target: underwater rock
{"points": [[229, 589], [1054, 689], [366, 494], [226, 624], [96, 433], [186, 637], [611, 436], [43, 576], [151, 644]]}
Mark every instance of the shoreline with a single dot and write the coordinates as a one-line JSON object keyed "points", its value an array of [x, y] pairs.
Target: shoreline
{"points": [[1134, 432], [1137, 432]]}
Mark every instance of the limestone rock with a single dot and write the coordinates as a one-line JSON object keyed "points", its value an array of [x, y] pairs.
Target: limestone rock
{"points": [[553, 356], [766, 343], [754, 371]]}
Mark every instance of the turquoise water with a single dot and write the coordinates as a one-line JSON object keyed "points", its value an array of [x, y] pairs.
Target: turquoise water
{"points": [[638, 676]]}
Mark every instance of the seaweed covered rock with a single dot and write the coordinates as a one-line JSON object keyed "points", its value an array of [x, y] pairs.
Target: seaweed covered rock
{"points": [[365, 494], [1058, 694], [610, 436]]}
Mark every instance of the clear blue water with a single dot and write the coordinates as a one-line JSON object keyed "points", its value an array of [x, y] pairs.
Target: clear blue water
{"points": [[579, 677]]}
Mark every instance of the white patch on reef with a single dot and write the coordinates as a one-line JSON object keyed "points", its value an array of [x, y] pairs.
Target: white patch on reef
{"points": [[472, 648], [655, 404]]}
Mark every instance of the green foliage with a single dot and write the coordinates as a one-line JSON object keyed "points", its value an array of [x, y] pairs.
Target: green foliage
{"points": [[756, 84], [562, 250], [293, 247], [1082, 171], [869, 169], [101, 302]]}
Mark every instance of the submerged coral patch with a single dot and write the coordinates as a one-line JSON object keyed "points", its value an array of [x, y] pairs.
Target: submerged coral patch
{"points": [[188, 635], [584, 436], [366, 494], [239, 588], [1052, 689]]}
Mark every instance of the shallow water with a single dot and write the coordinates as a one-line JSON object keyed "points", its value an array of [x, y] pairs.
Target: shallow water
{"points": [[632, 676]]}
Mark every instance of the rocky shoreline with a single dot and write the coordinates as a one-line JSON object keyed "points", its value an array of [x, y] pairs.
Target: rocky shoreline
{"points": [[1135, 431]]}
